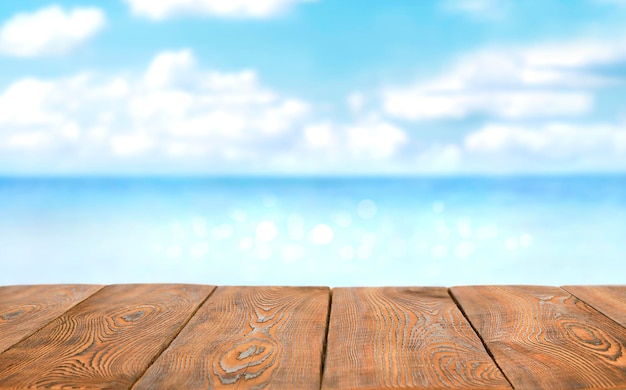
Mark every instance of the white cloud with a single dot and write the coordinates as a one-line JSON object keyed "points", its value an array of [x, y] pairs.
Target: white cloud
{"points": [[49, 31], [548, 80], [555, 141], [182, 100], [479, 9], [439, 158], [576, 54], [319, 135], [178, 115], [545, 65], [131, 144], [26, 141], [168, 104], [168, 67], [24, 102], [354, 142], [356, 101], [417, 105], [203, 114], [164, 9], [279, 118], [376, 139]]}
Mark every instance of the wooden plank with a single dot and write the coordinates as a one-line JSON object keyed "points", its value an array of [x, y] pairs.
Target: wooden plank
{"points": [[609, 300], [106, 341], [409, 338], [544, 338], [26, 309], [248, 337]]}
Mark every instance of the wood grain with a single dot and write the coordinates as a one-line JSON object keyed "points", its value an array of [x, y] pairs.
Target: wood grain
{"points": [[609, 300], [26, 309], [106, 341], [248, 337], [408, 338], [544, 338]]}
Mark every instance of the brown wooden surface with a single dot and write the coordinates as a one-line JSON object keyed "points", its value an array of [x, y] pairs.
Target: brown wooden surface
{"points": [[409, 338], [609, 300], [544, 338], [192, 336], [106, 341], [248, 337], [26, 309]]}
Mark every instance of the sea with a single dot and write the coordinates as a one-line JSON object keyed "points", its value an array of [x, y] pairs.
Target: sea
{"points": [[331, 231]]}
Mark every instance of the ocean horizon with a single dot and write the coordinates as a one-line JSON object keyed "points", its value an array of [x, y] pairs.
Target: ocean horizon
{"points": [[335, 231], [306, 142]]}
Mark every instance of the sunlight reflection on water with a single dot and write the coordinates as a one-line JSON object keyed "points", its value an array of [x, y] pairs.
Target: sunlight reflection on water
{"points": [[293, 237], [406, 232]]}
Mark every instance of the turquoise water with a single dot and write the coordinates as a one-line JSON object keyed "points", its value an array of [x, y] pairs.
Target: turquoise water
{"points": [[303, 231]]}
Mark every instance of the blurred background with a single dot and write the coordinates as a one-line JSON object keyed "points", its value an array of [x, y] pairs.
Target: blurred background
{"points": [[313, 142]]}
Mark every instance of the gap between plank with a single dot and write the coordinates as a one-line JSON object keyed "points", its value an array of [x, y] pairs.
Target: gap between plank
{"points": [[591, 306], [325, 346], [54, 319], [183, 326], [480, 337]]}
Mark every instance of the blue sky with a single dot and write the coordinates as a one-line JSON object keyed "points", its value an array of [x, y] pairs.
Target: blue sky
{"points": [[312, 87]]}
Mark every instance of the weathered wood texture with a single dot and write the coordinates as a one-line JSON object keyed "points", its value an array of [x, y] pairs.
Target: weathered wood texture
{"points": [[544, 338], [609, 300], [190, 336], [106, 341], [249, 338], [409, 338], [26, 309]]}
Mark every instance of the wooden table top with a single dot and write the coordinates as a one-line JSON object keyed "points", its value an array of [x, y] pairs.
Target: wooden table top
{"points": [[175, 336]]}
